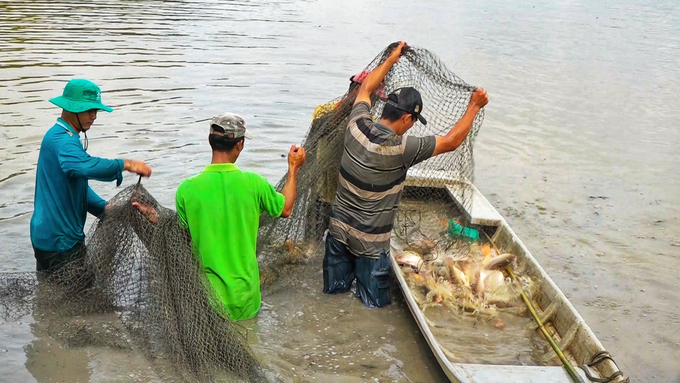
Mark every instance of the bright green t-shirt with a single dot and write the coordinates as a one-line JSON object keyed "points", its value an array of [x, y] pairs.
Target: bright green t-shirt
{"points": [[221, 207]]}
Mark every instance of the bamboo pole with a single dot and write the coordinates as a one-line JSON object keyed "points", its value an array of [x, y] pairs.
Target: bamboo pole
{"points": [[570, 369]]}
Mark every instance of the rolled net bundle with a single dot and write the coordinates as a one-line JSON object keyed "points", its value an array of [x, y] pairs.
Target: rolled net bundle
{"points": [[147, 277], [445, 100]]}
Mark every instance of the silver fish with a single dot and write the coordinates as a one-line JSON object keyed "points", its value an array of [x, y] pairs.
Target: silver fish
{"points": [[498, 261], [411, 259]]}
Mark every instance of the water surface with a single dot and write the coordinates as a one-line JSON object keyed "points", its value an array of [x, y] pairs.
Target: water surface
{"points": [[578, 149]]}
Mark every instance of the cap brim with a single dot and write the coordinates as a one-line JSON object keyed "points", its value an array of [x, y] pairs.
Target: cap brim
{"points": [[421, 119], [248, 135], [78, 106]]}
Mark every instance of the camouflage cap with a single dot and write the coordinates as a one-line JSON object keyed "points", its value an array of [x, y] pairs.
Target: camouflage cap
{"points": [[234, 126]]}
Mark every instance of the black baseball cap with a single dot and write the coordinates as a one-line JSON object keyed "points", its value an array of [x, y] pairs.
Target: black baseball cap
{"points": [[407, 100]]}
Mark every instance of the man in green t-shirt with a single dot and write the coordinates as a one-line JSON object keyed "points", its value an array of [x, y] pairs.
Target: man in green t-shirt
{"points": [[221, 208]]}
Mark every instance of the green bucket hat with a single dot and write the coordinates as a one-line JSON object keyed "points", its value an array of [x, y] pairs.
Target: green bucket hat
{"points": [[79, 96]]}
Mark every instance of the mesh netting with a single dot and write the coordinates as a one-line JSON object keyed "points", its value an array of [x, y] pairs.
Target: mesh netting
{"points": [[146, 275], [445, 100]]}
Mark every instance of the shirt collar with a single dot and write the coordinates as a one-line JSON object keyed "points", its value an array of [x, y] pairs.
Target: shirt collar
{"points": [[66, 125], [226, 167]]}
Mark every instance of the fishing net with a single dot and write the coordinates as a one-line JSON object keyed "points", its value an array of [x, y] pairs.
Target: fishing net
{"points": [[147, 277], [445, 99]]}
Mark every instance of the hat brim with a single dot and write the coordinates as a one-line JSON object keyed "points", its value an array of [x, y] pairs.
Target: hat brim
{"points": [[78, 106], [248, 135], [421, 119]]}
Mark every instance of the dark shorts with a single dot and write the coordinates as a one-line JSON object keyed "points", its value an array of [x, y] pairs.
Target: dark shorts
{"points": [[340, 268], [51, 260]]}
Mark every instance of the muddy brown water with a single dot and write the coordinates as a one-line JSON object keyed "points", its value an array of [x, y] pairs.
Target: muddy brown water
{"points": [[578, 150]]}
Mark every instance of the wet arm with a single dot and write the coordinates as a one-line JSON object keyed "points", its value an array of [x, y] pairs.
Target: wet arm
{"points": [[377, 76], [457, 134], [461, 129], [289, 192]]}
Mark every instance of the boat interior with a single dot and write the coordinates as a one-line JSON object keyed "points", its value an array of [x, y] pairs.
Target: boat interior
{"points": [[490, 342]]}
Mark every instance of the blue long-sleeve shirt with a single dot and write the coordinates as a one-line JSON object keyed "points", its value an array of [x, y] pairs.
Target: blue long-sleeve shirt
{"points": [[62, 195]]}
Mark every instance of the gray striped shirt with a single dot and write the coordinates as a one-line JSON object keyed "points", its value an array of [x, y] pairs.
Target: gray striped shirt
{"points": [[372, 173]]}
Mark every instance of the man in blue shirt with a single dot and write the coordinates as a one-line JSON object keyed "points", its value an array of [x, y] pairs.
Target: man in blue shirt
{"points": [[62, 195]]}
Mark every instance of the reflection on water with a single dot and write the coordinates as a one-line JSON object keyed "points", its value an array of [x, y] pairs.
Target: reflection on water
{"points": [[577, 149]]}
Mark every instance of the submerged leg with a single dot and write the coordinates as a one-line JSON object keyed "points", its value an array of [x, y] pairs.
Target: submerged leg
{"points": [[373, 284], [338, 267]]}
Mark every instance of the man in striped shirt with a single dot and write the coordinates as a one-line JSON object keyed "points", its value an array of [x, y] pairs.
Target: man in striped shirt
{"points": [[373, 169]]}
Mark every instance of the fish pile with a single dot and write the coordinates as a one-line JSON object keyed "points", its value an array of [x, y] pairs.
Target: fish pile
{"points": [[473, 279]]}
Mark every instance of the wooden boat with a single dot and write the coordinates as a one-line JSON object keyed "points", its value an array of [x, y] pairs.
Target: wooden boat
{"points": [[568, 329]]}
